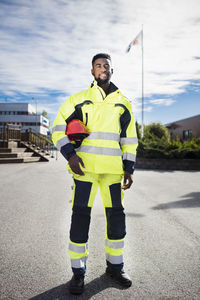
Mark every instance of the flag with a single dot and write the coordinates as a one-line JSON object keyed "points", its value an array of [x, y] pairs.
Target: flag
{"points": [[137, 40]]}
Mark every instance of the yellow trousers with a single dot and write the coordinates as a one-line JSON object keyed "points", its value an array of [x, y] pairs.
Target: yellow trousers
{"points": [[84, 192]]}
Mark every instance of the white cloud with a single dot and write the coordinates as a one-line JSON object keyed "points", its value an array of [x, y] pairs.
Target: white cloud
{"points": [[165, 102], [48, 45]]}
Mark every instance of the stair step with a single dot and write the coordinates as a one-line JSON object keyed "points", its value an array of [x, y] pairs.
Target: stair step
{"points": [[31, 159], [11, 160], [11, 150], [5, 150], [37, 151], [25, 154], [18, 150], [13, 155], [19, 160]]}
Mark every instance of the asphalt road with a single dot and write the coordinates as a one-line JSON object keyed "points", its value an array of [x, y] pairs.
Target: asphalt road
{"points": [[162, 247]]}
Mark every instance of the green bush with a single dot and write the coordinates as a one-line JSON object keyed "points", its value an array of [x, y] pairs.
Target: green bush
{"points": [[156, 144], [156, 130]]}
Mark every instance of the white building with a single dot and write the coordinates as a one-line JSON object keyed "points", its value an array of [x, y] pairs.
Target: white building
{"points": [[23, 114]]}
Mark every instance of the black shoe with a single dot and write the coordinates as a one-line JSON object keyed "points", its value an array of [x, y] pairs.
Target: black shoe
{"points": [[76, 285], [119, 276]]}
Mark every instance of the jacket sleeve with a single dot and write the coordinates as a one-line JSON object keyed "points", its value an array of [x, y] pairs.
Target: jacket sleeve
{"points": [[128, 139], [60, 139]]}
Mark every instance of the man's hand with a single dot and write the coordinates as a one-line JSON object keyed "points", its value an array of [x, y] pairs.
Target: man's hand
{"points": [[74, 162], [127, 181]]}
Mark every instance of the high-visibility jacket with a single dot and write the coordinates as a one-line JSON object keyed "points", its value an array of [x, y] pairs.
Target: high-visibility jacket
{"points": [[111, 145]]}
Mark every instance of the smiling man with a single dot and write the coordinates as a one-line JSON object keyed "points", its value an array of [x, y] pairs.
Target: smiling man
{"points": [[103, 159], [102, 72]]}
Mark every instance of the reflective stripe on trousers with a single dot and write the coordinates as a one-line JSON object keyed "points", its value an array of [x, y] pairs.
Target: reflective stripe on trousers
{"points": [[78, 262], [114, 259], [78, 253], [114, 251]]}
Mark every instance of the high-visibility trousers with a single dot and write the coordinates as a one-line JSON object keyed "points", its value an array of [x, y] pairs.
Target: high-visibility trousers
{"points": [[84, 192]]}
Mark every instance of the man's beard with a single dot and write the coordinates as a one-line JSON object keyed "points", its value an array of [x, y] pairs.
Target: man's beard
{"points": [[102, 81]]}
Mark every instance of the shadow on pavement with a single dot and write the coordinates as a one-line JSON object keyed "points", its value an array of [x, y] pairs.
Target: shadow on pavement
{"points": [[193, 200], [132, 215], [92, 288]]}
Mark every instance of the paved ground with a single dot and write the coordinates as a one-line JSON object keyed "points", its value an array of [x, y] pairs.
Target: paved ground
{"points": [[162, 253]]}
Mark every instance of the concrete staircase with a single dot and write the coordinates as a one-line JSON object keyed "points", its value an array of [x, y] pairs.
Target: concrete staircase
{"points": [[22, 154]]}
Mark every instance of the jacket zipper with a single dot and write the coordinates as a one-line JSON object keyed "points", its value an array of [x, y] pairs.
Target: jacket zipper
{"points": [[102, 94], [86, 114]]}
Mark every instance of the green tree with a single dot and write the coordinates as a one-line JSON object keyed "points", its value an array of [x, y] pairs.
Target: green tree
{"points": [[45, 114], [155, 142], [156, 130]]}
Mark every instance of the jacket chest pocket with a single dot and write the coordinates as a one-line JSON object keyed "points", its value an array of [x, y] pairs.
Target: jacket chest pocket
{"points": [[101, 116], [87, 113]]}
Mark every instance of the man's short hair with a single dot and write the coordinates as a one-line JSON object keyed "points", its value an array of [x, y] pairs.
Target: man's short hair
{"points": [[101, 55]]}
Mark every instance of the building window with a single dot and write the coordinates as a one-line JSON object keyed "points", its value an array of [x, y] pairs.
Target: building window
{"points": [[187, 134]]}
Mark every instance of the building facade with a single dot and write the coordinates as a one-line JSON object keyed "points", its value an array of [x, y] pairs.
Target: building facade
{"points": [[185, 129], [23, 114]]}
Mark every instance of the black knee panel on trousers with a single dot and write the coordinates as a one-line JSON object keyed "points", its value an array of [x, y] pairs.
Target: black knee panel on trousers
{"points": [[82, 192], [116, 227], [115, 194], [80, 223]]}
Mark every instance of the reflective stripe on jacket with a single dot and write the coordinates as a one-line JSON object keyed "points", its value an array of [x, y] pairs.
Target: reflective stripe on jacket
{"points": [[112, 143]]}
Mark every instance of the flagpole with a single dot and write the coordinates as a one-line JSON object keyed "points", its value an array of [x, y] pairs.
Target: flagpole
{"points": [[142, 127], [134, 42]]}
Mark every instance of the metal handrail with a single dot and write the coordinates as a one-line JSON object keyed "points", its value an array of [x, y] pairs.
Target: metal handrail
{"points": [[37, 139], [12, 132]]}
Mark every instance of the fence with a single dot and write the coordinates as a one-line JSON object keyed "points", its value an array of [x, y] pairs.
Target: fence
{"points": [[12, 132]]}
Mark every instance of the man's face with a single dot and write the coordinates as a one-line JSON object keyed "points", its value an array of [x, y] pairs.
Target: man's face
{"points": [[102, 70]]}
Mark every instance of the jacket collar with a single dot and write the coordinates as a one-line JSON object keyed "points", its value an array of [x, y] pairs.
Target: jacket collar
{"points": [[112, 87]]}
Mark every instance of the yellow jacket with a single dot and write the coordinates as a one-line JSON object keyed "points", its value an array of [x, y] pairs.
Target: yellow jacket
{"points": [[112, 143]]}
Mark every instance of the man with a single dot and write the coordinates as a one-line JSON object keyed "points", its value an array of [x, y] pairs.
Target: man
{"points": [[104, 157]]}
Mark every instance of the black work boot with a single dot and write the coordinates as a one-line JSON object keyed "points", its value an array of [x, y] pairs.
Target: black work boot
{"points": [[119, 276], [76, 285]]}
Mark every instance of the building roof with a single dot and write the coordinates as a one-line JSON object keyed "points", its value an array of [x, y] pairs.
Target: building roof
{"points": [[175, 122]]}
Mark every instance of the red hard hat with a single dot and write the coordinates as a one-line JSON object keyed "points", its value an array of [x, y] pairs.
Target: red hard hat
{"points": [[76, 130]]}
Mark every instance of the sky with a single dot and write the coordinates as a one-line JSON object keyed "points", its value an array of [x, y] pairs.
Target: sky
{"points": [[46, 48]]}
